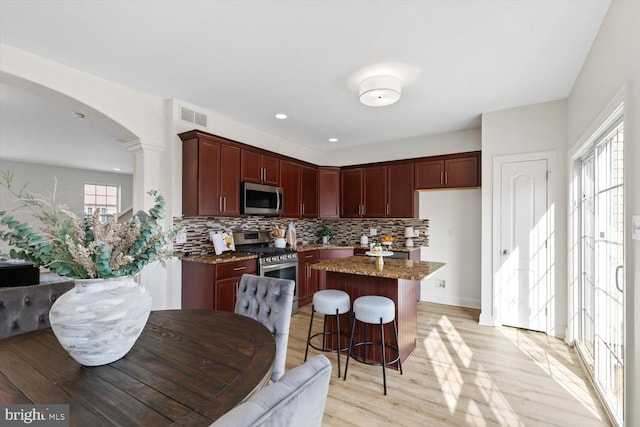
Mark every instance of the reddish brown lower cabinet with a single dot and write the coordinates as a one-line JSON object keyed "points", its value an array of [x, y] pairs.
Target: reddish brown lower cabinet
{"points": [[307, 278], [213, 286], [228, 277], [197, 285]]}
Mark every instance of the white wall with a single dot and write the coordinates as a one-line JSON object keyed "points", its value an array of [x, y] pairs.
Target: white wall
{"points": [[454, 238], [535, 128], [431, 145], [70, 185], [614, 60]]}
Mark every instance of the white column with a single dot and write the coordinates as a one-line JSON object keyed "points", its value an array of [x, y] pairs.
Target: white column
{"points": [[149, 161]]}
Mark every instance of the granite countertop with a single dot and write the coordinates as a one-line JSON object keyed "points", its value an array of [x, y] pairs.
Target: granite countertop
{"points": [[315, 246], [392, 269], [218, 259]]}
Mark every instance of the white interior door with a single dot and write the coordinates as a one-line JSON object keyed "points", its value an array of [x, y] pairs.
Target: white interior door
{"points": [[524, 263]]}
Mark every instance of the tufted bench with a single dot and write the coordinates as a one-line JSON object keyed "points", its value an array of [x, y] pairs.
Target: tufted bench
{"points": [[26, 308]]}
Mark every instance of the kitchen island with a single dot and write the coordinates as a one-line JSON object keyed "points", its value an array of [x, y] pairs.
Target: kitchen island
{"points": [[397, 279]]}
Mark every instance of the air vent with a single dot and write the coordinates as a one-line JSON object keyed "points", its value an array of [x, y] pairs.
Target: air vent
{"points": [[193, 117]]}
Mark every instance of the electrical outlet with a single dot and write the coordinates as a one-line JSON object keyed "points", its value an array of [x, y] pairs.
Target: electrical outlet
{"points": [[373, 232], [440, 283], [181, 238]]}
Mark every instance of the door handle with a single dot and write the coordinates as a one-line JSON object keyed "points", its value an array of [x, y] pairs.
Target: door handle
{"points": [[387, 211], [224, 204], [239, 268], [446, 177], [441, 179], [618, 268], [505, 252], [220, 204]]}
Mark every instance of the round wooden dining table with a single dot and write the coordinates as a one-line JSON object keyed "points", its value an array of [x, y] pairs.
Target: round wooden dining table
{"points": [[187, 368]]}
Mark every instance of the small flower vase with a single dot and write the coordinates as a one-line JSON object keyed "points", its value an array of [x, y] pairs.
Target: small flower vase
{"points": [[99, 320], [325, 240]]}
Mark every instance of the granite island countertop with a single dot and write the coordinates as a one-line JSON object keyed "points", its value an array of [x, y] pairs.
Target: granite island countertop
{"points": [[218, 259], [392, 269]]}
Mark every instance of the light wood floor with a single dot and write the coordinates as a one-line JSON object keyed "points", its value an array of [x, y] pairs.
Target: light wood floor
{"points": [[460, 374]]}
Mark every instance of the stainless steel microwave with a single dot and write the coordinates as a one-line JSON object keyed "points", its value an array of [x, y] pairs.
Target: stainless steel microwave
{"points": [[259, 199]]}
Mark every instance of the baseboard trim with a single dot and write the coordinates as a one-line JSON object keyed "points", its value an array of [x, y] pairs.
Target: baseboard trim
{"points": [[456, 301]]}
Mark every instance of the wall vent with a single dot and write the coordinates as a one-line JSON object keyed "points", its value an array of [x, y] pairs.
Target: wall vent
{"points": [[193, 117]]}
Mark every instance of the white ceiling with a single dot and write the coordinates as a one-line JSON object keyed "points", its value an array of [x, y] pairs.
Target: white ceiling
{"points": [[248, 60]]}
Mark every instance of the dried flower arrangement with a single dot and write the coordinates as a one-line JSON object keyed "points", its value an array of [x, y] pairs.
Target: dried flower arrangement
{"points": [[84, 248]]}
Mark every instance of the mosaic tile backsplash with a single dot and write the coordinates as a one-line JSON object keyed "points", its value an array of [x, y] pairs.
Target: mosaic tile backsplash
{"points": [[346, 231]]}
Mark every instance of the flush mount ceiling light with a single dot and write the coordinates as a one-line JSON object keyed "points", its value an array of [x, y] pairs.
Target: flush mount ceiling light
{"points": [[333, 139], [379, 91], [281, 116]]}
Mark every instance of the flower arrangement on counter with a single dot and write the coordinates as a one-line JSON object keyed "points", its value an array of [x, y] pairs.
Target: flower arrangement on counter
{"points": [[84, 248]]}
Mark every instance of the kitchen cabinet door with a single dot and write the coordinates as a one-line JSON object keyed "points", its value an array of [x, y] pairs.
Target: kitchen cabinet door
{"points": [[462, 172], [351, 193], [400, 193], [210, 176], [307, 278], [290, 182], [260, 168], [374, 192], [329, 193], [455, 171], [197, 285], [230, 180], [225, 294], [429, 174], [309, 192]]}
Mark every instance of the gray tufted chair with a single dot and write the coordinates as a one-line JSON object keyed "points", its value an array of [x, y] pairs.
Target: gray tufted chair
{"points": [[269, 301], [298, 399], [26, 308]]}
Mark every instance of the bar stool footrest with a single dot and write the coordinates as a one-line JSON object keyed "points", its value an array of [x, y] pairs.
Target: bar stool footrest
{"points": [[331, 350], [377, 344]]}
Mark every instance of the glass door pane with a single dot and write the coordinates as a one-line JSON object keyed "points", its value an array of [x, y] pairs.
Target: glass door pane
{"points": [[588, 254], [609, 255]]}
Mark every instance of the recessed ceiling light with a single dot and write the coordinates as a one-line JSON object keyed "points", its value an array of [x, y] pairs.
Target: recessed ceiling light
{"points": [[117, 169], [77, 115], [281, 116], [333, 139]]}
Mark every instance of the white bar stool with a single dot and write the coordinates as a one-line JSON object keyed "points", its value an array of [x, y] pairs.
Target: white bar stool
{"points": [[329, 302], [374, 310]]}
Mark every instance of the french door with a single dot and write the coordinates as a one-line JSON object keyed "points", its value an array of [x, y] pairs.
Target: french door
{"points": [[601, 332]]}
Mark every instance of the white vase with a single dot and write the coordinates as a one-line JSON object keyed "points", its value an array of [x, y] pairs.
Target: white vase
{"points": [[99, 320], [325, 240]]}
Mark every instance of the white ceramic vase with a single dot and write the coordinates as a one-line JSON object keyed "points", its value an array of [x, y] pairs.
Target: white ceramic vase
{"points": [[99, 320]]}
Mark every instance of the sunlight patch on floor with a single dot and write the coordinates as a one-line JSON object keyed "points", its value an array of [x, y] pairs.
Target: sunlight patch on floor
{"points": [[457, 342], [552, 367], [445, 368]]}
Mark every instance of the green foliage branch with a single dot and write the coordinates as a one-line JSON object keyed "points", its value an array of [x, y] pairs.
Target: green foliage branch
{"points": [[84, 248]]}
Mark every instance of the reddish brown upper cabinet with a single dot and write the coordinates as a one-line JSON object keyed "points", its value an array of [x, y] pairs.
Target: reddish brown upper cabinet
{"points": [[329, 192], [309, 192], [378, 192], [351, 193], [210, 176], [453, 171], [401, 196], [260, 168], [300, 190]]}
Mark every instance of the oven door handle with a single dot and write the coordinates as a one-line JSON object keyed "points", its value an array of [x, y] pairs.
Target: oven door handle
{"points": [[274, 267]]}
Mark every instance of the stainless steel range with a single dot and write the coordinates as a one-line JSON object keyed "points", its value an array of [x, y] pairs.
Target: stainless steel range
{"points": [[272, 262]]}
